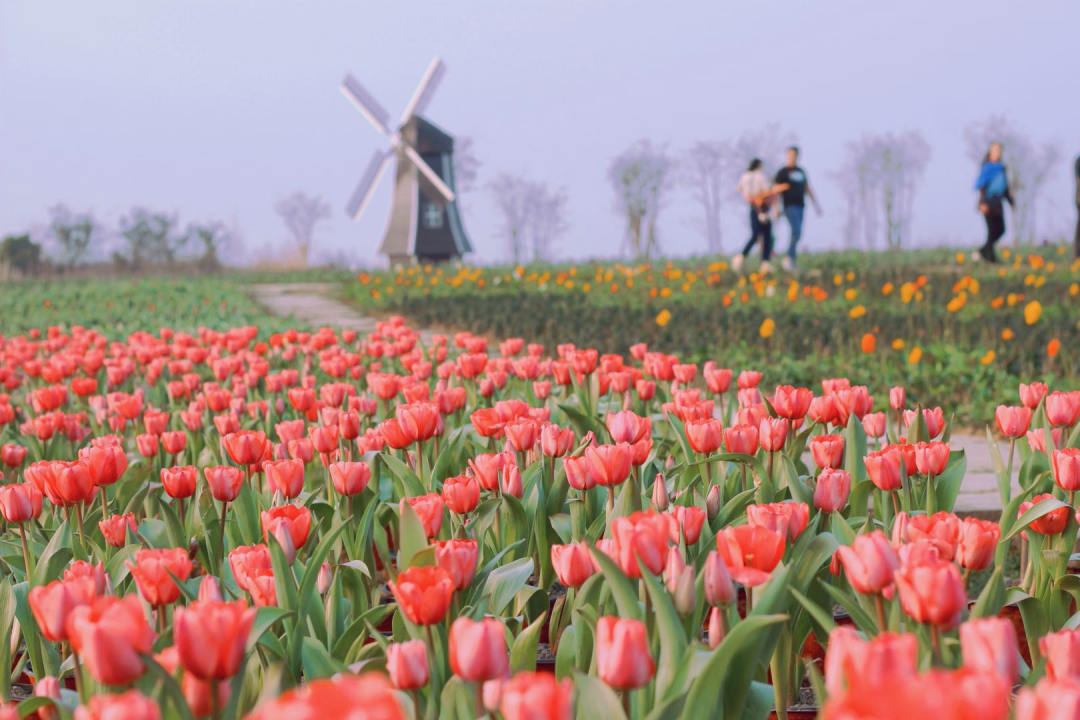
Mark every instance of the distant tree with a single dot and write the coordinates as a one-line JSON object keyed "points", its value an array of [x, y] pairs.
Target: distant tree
{"points": [[72, 232], [845, 179], [706, 170], [641, 177], [512, 196], [301, 215], [19, 253], [150, 238], [1029, 167], [213, 237], [466, 166], [547, 219]]}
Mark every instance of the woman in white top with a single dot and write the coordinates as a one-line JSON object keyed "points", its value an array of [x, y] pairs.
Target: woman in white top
{"points": [[760, 194]]}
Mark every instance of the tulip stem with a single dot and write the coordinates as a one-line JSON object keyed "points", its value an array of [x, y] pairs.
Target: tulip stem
{"points": [[104, 503], [879, 603], [221, 538], [432, 667], [77, 672], [26, 554], [626, 701], [935, 644], [896, 502], [215, 708]]}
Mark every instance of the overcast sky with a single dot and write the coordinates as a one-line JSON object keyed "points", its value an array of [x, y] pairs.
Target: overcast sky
{"points": [[216, 108]]}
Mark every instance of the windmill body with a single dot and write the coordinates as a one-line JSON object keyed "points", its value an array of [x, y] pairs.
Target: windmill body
{"points": [[425, 223]]}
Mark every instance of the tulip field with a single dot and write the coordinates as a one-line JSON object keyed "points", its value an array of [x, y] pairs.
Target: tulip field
{"points": [[628, 507], [931, 319]]}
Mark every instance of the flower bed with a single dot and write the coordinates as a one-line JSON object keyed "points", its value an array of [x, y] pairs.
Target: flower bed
{"points": [[235, 523]]}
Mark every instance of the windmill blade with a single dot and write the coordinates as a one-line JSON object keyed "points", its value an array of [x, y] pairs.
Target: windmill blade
{"points": [[367, 104], [368, 182], [425, 90], [429, 175]]}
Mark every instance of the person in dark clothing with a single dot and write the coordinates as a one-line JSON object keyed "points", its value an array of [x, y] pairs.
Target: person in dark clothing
{"points": [[993, 187], [1076, 179], [798, 189], [760, 197]]}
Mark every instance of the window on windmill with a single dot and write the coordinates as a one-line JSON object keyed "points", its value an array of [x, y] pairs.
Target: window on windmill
{"points": [[433, 215]]}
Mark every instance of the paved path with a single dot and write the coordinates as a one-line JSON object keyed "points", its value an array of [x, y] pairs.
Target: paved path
{"points": [[313, 304]]}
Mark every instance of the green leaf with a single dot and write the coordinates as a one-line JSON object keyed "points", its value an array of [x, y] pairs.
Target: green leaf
{"points": [[409, 480], [947, 484], [246, 511], [61, 539], [1002, 472], [167, 685], [523, 653], [265, 618], [595, 699], [1039, 509], [672, 638], [622, 590], [411, 536], [824, 618], [504, 583], [317, 662], [862, 619], [583, 423], [992, 597]]}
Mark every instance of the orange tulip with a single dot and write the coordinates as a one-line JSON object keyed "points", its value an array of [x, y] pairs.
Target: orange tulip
{"points": [[111, 635], [107, 464], [211, 637], [1052, 522], [423, 594], [622, 653], [461, 494], [685, 522], [115, 527], [154, 570], [886, 658], [179, 481], [69, 482], [750, 553], [324, 438]]}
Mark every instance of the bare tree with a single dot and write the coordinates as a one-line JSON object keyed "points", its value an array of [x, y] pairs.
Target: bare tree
{"points": [[1029, 167], [705, 170], [213, 236], [73, 233], [846, 179], [466, 166], [641, 177], [150, 237], [903, 160], [301, 215], [547, 219], [512, 196]]}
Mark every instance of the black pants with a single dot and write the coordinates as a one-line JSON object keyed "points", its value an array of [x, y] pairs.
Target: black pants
{"points": [[995, 228], [1076, 240], [760, 230]]}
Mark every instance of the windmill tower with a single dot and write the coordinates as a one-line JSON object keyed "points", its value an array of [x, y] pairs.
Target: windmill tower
{"points": [[425, 224]]}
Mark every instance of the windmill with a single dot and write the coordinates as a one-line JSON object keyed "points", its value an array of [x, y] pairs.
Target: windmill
{"points": [[425, 224]]}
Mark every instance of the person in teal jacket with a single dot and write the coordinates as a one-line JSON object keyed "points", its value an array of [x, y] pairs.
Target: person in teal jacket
{"points": [[993, 187]]}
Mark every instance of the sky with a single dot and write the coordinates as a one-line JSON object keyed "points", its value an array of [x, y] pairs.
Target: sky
{"points": [[215, 109]]}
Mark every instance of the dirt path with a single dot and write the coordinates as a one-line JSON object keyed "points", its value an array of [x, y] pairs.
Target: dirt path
{"points": [[314, 304]]}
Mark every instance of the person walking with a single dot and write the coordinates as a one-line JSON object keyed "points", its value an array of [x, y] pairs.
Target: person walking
{"points": [[993, 187], [798, 189], [760, 196]]}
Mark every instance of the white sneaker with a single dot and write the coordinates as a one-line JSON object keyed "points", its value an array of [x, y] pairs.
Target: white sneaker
{"points": [[766, 267], [786, 264], [737, 263]]}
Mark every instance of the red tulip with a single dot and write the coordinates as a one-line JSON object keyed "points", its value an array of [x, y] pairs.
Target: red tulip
{"points": [[1013, 422], [246, 560], [989, 645], [1058, 699], [622, 653], [179, 481], [572, 563], [718, 588], [350, 478], [147, 444], [12, 455], [115, 527], [685, 522], [792, 403], [458, 557], [704, 435], [1052, 522], [537, 696], [225, 482], [831, 490], [131, 705], [828, 450], [1062, 653], [772, 432], [478, 649], [628, 427], [295, 519], [154, 571], [53, 603], [750, 553], [977, 542], [486, 467], [370, 695], [885, 659], [556, 441], [407, 664], [931, 458], [16, 504], [245, 447], [69, 483], [461, 494], [718, 380], [942, 529], [302, 399], [510, 481], [578, 474], [1066, 466], [874, 424], [609, 465], [741, 439], [644, 536], [430, 510], [1031, 395], [883, 467], [174, 442], [111, 635], [932, 593], [1062, 408], [869, 562], [787, 518], [285, 477], [423, 594], [324, 438], [211, 637], [521, 434], [107, 464]]}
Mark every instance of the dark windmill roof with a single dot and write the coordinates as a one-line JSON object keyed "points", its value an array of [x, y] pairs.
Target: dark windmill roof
{"points": [[430, 138]]}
